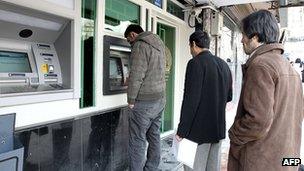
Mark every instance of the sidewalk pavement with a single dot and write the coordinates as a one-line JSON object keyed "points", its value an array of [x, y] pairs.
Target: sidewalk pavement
{"points": [[169, 163]]}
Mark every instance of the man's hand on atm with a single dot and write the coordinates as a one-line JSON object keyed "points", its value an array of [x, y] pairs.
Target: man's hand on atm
{"points": [[131, 106]]}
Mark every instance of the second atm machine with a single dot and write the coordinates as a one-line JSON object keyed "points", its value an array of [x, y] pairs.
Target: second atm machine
{"points": [[116, 65]]}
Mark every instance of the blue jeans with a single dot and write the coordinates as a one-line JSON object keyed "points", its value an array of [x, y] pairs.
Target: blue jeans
{"points": [[144, 125]]}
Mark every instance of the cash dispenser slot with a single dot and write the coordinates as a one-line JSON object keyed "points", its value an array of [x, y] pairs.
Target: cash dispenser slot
{"points": [[47, 59], [16, 75], [43, 46], [47, 54]]}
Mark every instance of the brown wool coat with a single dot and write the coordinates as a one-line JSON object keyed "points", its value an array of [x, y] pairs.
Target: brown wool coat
{"points": [[268, 123]]}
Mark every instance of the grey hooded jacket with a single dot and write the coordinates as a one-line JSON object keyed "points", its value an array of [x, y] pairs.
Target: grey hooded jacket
{"points": [[147, 73]]}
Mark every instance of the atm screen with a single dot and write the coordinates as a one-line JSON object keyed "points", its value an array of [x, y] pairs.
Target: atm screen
{"points": [[115, 68], [126, 70], [14, 62]]}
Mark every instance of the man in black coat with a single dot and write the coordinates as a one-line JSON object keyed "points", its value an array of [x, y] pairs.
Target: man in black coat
{"points": [[208, 87]]}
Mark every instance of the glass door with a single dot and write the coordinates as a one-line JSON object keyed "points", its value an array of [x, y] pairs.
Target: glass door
{"points": [[167, 34]]}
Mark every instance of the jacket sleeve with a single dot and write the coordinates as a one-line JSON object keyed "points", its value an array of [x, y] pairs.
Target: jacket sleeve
{"points": [[192, 94], [258, 102], [139, 65]]}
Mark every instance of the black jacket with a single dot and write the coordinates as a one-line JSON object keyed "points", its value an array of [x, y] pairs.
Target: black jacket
{"points": [[208, 87]]}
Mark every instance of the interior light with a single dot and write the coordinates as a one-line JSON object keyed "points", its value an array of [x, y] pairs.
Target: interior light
{"points": [[29, 21]]}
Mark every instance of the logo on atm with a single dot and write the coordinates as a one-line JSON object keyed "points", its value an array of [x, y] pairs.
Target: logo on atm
{"points": [[291, 161]]}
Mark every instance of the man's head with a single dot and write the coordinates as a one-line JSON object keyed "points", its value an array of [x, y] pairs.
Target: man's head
{"points": [[198, 42], [258, 28], [132, 31]]}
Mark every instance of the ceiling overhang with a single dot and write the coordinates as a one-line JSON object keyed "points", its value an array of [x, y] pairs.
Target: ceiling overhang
{"points": [[238, 12], [238, 9], [221, 3]]}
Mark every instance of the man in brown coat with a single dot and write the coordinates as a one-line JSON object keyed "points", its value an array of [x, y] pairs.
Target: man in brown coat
{"points": [[268, 123]]}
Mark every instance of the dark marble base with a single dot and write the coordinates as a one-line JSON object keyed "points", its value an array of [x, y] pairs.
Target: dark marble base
{"points": [[99, 142]]}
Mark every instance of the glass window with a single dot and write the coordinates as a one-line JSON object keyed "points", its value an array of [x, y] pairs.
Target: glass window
{"points": [[156, 2], [87, 52], [167, 35], [174, 9], [120, 14], [147, 20]]}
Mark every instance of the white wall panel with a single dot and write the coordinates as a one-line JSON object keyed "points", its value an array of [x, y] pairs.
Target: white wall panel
{"points": [[65, 3]]}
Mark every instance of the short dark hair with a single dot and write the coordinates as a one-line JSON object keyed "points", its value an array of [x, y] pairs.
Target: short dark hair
{"points": [[200, 38], [262, 24], [133, 28]]}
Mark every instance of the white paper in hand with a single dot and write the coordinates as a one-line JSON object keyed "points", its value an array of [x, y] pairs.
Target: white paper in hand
{"points": [[186, 152]]}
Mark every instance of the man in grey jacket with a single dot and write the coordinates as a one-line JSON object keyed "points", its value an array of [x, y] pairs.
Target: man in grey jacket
{"points": [[146, 97]]}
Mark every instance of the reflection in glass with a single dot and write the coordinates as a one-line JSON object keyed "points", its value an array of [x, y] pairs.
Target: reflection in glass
{"points": [[167, 34], [174, 9], [156, 2], [61, 136], [120, 14], [29, 140], [99, 143], [87, 57]]}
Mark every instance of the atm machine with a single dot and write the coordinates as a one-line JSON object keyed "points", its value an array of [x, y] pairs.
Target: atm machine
{"points": [[116, 65], [35, 56]]}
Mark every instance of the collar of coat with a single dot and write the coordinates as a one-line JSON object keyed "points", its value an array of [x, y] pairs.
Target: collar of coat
{"points": [[275, 47], [205, 51]]}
